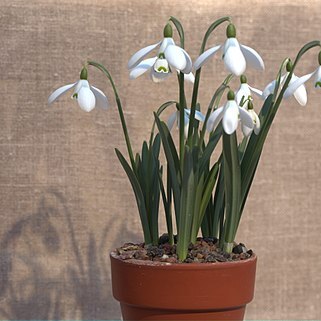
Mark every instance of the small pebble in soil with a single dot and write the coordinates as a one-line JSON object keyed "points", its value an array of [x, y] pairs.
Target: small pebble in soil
{"points": [[205, 250]]}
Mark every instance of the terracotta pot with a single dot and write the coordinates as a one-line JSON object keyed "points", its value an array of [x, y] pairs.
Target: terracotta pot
{"points": [[198, 291]]}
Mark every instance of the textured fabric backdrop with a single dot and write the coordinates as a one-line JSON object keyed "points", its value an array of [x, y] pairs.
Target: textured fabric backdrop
{"points": [[65, 201]]}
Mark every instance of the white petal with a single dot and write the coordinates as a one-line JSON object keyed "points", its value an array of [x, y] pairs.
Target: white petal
{"points": [[252, 57], [186, 127], [199, 116], [101, 99], [176, 57], [317, 79], [86, 99], [165, 43], [214, 119], [295, 84], [256, 91], [189, 77], [60, 91], [203, 58], [189, 63], [233, 57], [81, 83], [243, 92], [171, 120], [301, 95], [269, 89], [142, 67], [257, 125], [140, 54], [246, 131], [246, 118], [231, 117]]}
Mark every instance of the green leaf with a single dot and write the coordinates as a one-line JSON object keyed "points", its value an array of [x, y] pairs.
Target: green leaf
{"points": [[139, 196], [172, 160], [232, 183], [209, 185], [186, 205]]}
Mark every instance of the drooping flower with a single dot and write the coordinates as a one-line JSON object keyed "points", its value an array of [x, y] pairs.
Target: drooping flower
{"points": [[235, 55], [230, 114], [170, 57], [174, 117], [247, 131], [87, 96], [302, 80], [243, 94], [300, 93]]}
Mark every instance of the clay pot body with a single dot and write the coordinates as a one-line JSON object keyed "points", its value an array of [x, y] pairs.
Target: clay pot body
{"points": [[191, 292]]}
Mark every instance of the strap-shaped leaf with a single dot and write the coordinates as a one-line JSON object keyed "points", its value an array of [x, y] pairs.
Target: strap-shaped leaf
{"points": [[172, 160], [208, 189], [139, 196], [187, 202], [232, 183]]}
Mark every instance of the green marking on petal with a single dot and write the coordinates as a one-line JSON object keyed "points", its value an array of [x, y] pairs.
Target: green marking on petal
{"points": [[162, 69], [75, 96], [319, 58], [318, 84]]}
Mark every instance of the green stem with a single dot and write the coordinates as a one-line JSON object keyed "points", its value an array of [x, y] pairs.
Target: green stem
{"points": [[120, 110], [181, 119]]}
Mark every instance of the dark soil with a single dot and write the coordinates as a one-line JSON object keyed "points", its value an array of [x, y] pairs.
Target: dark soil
{"points": [[205, 250]]}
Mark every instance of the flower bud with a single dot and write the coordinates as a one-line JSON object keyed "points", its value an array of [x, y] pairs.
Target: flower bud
{"points": [[230, 31], [168, 31], [243, 79], [230, 95], [289, 66], [84, 73]]}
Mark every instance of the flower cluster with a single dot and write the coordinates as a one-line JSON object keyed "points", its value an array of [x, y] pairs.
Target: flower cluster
{"points": [[205, 195]]}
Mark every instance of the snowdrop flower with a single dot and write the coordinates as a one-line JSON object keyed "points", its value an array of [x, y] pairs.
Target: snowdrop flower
{"points": [[235, 55], [299, 93], [170, 57], [300, 81], [244, 93], [88, 97], [230, 114], [174, 117], [247, 131]]}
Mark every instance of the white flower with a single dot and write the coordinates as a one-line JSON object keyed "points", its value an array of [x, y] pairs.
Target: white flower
{"points": [[247, 131], [235, 55], [174, 117], [243, 94], [298, 91], [170, 57], [299, 82], [230, 114], [88, 97]]}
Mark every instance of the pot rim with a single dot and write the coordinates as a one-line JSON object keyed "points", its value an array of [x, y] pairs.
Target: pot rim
{"points": [[186, 266]]}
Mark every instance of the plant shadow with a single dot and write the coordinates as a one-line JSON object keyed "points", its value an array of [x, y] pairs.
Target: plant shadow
{"points": [[49, 272]]}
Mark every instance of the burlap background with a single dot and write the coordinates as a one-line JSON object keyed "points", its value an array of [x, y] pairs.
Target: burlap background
{"points": [[65, 201]]}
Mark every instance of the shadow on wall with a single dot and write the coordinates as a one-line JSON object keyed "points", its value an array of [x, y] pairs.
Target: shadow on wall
{"points": [[45, 275]]}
